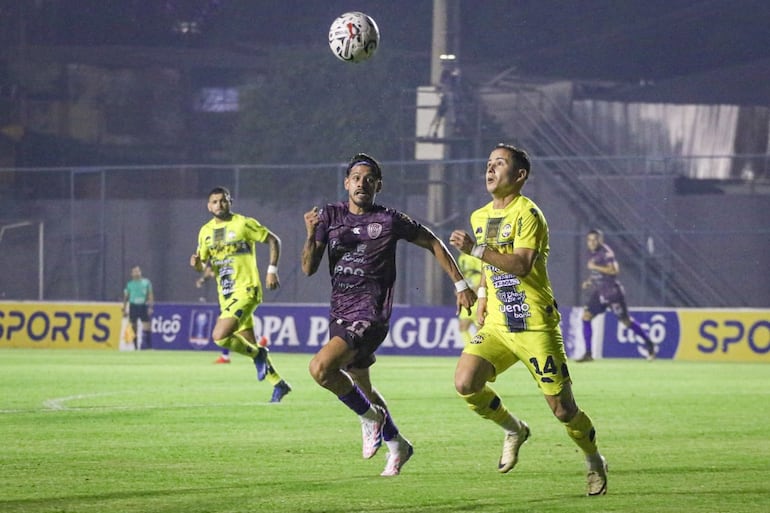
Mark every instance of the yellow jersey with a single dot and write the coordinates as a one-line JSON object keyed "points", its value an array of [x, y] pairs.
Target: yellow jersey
{"points": [[516, 303], [230, 248]]}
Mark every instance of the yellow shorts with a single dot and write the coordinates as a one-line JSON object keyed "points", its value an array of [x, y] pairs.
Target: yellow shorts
{"points": [[541, 351], [239, 305]]}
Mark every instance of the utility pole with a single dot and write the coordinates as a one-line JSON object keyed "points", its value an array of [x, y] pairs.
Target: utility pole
{"points": [[445, 43]]}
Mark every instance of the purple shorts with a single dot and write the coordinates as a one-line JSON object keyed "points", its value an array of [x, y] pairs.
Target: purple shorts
{"points": [[363, 336]]}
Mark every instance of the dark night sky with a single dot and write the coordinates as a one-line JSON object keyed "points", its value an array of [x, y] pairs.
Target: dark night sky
{"points": [[603, 39]]}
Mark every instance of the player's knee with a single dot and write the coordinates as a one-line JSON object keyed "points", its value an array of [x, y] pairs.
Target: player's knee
{"points": [[466, 385], [219, 333], [587, 316], [564, 409], [563, 415], [319, 371]]}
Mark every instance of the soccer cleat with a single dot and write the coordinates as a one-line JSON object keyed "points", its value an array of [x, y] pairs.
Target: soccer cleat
{"points": [[222, 359], [399, 459], [597, 479], [260, 362], [585, 358], [650, 351], [511, 445], [279, 391], [371, 431]]}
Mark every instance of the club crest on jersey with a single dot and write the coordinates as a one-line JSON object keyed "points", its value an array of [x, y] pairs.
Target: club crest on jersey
{"points": [[477, 339], [506, 231], [230, 235], [374, 230]]}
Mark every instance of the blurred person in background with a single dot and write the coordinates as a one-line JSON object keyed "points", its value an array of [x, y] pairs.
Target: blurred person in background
{"points": [[470, 266], [604, 291], [138, 301], [519, 316], [361, 237], [227, 243]]}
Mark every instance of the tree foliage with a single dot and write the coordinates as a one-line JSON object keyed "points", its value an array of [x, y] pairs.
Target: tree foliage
{"points": [[310, 107]]}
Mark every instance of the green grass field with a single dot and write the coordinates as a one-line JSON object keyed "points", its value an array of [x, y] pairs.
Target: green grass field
{"points": [[91, 431]]}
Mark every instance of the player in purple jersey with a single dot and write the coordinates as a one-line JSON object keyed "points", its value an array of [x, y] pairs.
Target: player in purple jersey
{"points": [[361, 239], [605, 292]]}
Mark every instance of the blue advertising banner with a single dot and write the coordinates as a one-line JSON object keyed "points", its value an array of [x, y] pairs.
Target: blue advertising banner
{"points": [[304, 328], [662, 326]]}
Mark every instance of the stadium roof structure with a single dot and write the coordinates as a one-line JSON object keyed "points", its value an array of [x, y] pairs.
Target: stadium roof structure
{"points": [[745, 84]]}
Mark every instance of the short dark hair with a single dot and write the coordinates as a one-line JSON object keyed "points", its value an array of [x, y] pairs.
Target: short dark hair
{"points": [[597, 232], [520, 157], [367, 160], [221, 190]]}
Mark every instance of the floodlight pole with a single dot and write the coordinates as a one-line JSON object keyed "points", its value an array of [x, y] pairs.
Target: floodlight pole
{"points": [[444, 42]]}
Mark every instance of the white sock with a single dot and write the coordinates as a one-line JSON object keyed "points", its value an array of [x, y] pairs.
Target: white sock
{"points": [[594, 461], [395, 443]]}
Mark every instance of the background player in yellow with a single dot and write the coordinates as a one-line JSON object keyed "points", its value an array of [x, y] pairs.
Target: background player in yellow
{"points": [[470, 266], [519, 314], [227, 243]]}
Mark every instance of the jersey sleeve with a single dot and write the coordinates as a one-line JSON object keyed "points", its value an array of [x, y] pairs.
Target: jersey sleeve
{"points": [[255, 231], [405, 227], [529, 229], [202, 249]]}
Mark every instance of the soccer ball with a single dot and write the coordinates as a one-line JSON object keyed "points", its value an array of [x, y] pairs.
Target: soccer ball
{"points": [[354, 37]]}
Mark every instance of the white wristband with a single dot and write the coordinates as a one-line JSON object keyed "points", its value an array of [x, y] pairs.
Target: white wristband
{"points": [[481, 292], [461, 285], [272, 269], [478, 251]]}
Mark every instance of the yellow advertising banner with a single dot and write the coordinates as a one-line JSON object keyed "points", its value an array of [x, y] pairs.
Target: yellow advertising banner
{"points": [[740, 335], [60, 325]]}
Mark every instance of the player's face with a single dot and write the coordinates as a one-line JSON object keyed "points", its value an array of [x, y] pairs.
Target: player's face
{"points": [[219, 206], [502, 178], [136, 273], [362, 185], [592, 241]]}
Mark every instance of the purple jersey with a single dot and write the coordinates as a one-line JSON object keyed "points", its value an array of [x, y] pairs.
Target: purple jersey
{"points": [[605, 284], [362, 259]]}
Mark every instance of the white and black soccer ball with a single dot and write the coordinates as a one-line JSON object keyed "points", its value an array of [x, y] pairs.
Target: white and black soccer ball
{"points": [[354, 37]]}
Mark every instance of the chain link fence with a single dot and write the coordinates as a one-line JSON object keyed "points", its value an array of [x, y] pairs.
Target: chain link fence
{"points": [[74, 233]]}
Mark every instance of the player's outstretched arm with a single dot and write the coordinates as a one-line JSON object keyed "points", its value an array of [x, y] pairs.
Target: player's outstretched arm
{"points": [[466, 297]]}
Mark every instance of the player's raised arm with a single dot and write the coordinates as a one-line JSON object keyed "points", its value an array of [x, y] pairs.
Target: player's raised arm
{"points": [[428, 240], [312, 250]]}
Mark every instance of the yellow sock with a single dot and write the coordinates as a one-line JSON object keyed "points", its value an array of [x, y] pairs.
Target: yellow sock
{"points": [[238, 344], [272, 375], [582, 432], [487, 404]]}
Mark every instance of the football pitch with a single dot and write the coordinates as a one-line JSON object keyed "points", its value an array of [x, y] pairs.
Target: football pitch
{"points": [[168, 431]]}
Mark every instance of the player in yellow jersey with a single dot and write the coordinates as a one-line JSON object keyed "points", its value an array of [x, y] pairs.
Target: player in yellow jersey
{"points": [[470, 266], [227, 243], [518, 315]]}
